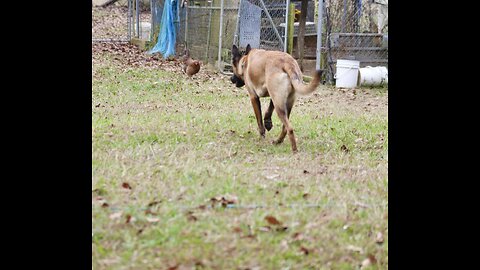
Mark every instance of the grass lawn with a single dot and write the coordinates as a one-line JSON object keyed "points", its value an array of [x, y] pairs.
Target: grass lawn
{"points": [[182, 180]]}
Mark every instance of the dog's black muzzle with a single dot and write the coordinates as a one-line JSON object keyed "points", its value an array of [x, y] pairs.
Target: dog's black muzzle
{"points": [[237, 81]]}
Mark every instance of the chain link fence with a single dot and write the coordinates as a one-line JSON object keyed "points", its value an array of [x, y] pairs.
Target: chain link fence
{"points": [[355, 30], [209, 28], [122, 20]]}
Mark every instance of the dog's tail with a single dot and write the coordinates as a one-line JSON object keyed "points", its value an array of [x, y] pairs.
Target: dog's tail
{"points": [[297, 81]]}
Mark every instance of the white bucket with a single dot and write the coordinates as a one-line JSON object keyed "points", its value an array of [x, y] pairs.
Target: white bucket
{"points": [[347, 73], [373, 76]]}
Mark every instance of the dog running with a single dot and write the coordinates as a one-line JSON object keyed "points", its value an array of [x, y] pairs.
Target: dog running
{"points": [[276, 75]]}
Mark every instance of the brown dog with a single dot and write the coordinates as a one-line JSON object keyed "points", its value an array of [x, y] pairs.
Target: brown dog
{"points": [[275, 74]]}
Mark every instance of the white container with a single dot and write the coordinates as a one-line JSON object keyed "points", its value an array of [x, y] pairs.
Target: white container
{"points": [[372, 76], [347, 73]]}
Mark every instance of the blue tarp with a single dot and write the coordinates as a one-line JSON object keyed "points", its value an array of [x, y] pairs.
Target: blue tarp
{"points": [[166, 37]]}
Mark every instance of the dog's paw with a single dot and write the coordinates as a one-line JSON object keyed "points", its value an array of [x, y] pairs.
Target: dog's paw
{"points": [[268, 124], [277, 142], [261, 131]]}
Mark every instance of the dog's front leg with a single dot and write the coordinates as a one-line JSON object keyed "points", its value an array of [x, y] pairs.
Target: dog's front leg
{"points": [[258, 112]]}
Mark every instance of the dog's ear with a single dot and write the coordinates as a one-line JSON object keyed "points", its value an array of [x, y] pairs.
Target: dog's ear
{"points": [[247, 50], [235, 51]]}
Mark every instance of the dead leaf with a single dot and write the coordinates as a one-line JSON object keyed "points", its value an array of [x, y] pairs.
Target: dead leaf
{"points": [[251, 236], [191, 217], [153, 203], [152, 219], [305, 195], [305, 250], [272, 176], [224, 200], [237, 229], [105, 205], [297, 236], [149, 211], [200, 263], [368, 261], [355, 249], [129, 219], [126, 185], [116, 215], [175, 267], [379, 239], [265, 229], [272, 220]]}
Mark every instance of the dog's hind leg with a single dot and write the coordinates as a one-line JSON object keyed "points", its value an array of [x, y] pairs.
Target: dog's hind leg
{"points": [[268, 116], [284, 114], [281, 137]]}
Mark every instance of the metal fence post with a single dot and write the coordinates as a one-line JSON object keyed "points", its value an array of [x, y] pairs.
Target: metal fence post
{"points": [[137, 12], [208, 34], [319, 33], [129, 20], [237, 25], [186, 24], [287, 9], [152, 6], [344, 17], [220, 36]]}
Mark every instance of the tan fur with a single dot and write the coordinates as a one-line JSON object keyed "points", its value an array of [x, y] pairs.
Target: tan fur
{"points": [[275, 74]]}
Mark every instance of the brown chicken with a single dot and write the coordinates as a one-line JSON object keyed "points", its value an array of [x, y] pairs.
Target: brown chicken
{"points": [[190, 66]]}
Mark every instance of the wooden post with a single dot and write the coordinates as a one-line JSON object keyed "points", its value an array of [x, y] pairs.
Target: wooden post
{"points": [[301, 32], [291, 20]]}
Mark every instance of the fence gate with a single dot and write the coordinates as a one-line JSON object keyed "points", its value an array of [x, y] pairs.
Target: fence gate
{"points": [[262, 24]]}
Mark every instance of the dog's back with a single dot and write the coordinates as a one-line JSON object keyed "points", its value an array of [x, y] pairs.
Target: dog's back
{"points": [[274, 62]]}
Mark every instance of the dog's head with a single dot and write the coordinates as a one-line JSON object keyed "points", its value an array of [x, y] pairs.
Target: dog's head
{"points": [[237, 64]]}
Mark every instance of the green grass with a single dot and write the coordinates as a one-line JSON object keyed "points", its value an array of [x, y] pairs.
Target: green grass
{"points": [[181, 142]]}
